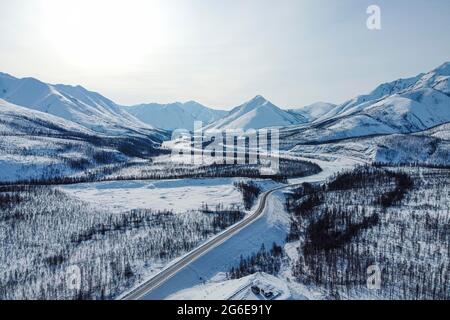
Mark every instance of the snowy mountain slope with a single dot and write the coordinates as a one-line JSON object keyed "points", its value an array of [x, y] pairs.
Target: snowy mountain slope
{"points": [[382, 91], [402, 106], [412, 149], [36, 145], [429, 147], [345, 128], [441, 132], [314, 111], [257, 113], [412, 111], [76, 104], [175, 115], [437, 79], [17, 120]]}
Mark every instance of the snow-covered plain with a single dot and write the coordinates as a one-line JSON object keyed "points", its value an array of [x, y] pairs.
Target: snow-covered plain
{"points": [[179, 196]]}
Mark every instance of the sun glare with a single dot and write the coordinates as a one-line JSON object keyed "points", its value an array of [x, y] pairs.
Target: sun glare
{"points": [[104, 33]]}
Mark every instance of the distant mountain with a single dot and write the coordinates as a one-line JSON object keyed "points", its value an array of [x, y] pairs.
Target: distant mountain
{"points": [[314, 111], [76, 104], [175, 115], [18, 120], [362, 101], [403, 106], [256, 114], [38, 145]]}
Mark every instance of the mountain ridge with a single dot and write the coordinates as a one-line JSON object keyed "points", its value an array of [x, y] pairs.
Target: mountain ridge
{"points": [[73, 103], [401, 106], [177, 115]]}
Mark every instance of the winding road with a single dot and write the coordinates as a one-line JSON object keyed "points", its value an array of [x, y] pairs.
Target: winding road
{"points": [[170, 271], [328, 169]]}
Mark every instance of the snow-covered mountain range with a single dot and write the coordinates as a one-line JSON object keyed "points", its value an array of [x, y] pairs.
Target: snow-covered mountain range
{"points": [[175, 115], [257, 113], [402, 106], [73, 103], [406, 120]]}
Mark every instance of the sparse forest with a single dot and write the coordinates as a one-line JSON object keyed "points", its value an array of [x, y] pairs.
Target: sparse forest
{"points": [[44, 233], [166, 169], [250, 192], [396, 219], [268, 261]]}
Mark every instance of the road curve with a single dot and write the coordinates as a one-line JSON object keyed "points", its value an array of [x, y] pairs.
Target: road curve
{"points": [[147, 287]]}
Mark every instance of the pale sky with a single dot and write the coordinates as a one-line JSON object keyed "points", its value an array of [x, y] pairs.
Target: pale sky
{"points": [[222, 52]]}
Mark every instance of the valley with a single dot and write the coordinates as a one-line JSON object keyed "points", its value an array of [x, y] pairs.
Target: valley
{"points": [[88, 184]]}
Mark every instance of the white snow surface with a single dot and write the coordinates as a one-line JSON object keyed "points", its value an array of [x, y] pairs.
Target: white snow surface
{"points": [[177, 195]]}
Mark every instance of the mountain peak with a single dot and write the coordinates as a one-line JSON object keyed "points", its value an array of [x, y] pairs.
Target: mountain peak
{"points": [[192, 102], [256, 102], [259, 99], [443, 69], [256, 114]]}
